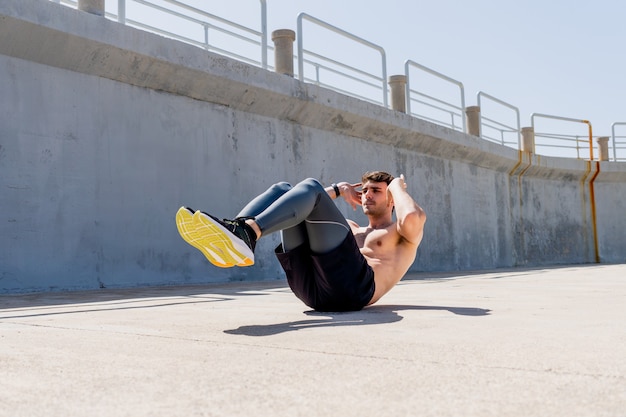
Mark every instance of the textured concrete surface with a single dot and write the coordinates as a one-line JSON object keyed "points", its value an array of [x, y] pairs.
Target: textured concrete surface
{"points": [[106, 130], [523, 342]]}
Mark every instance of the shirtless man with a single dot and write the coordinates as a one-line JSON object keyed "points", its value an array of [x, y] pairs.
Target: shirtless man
{"points": [[332, 264]]}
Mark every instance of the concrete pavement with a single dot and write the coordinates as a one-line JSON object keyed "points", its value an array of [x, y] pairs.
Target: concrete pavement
{"points": [[522, 342]]}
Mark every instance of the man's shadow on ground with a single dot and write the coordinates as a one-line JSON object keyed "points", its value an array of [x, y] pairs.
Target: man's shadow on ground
{"points": [[370, 315]]}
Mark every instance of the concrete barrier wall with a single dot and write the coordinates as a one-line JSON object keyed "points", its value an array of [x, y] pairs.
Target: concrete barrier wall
{"points": [[106, 130]]}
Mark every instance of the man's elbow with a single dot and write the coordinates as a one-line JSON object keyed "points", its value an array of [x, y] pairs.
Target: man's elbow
{"points": [[416, 217], [412, 225]]}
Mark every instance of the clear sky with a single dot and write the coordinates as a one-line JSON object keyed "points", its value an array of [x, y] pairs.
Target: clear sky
{"points": [[555, 57]]}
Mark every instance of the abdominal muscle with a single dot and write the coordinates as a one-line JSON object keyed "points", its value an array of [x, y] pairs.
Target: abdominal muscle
{"points": [[387, 253]]}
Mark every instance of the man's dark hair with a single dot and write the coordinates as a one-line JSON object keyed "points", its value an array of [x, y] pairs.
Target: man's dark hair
{"points": [[377, 176]]}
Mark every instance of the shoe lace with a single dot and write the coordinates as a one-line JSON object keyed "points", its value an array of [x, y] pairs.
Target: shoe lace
{"points": [[238, 227]]}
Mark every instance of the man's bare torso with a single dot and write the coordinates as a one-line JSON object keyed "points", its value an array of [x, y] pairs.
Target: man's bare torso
{"points": [[388, 253]]}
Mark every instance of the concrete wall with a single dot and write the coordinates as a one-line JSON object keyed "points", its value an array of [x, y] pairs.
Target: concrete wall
{"points": [[106, 130]]}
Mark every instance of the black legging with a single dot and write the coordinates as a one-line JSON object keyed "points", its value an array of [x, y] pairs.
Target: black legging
{"points": [[303, 213]]}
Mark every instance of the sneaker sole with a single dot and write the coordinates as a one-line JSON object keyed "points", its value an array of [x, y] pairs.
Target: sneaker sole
{"points": [[196, 235], [224, 247]]}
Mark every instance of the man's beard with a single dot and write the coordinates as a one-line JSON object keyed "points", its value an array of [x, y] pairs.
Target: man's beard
{"points": [[375, 210]]}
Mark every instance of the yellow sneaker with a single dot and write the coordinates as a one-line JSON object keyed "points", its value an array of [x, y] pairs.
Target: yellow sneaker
{"points": [[227, 241], [218, 241], [196, 235]]}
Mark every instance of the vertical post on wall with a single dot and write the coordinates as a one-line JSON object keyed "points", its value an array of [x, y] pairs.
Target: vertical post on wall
{"points": [[283, 51], [473, 120], [603, 147], [528, 139], [397, 84], [92, 6]]}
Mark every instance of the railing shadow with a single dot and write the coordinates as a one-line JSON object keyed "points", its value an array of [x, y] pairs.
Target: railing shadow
{"points": [[74, 302]]}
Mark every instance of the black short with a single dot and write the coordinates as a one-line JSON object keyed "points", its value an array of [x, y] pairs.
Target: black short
{"points": [[340, 280]]}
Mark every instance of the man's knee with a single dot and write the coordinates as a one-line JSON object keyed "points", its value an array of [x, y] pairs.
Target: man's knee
{"points": [[282, 186], [312, 184]]}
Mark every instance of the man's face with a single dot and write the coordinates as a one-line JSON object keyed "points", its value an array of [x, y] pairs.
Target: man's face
{"points": [[374, 199]]}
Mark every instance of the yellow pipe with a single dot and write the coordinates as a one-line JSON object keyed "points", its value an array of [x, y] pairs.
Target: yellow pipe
{"points": [[530, 163], [519, 186], [583, 183], [519, 162], [594, 225], [590, 139]]}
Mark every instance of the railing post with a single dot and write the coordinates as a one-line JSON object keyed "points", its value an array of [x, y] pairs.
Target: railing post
{"points": [[283, 51], [472, 114], [263, 34], [397, 84], [528, 139], [603, 147], [92, 6], [121, 11]]}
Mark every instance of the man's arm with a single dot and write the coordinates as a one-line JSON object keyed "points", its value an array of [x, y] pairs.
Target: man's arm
{"points": [[410, 216], [347, 191]]}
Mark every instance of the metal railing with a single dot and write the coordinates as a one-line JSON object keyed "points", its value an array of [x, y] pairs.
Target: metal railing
{"points": [[453, 111], [618, 145], [322, 63], [566, 139], [450, 109], [502, 128], [208, 23]]}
